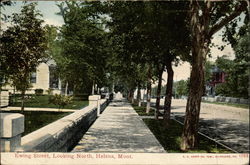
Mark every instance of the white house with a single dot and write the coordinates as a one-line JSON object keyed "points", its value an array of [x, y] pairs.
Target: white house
{"points": [[44, 78]]}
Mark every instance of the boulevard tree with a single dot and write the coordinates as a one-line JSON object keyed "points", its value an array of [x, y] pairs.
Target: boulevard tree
{"points": [[172, 33], [206, 18], [237, 70], [3, 19], [23, 46], [181, 88], [128, 37], [152, 38], [83, 57]]}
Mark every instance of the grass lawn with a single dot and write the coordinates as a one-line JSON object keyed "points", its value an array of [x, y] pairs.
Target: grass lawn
{"points": [[142, 110], [43, 102], [35, 120], [229, 104], [170, 138]]}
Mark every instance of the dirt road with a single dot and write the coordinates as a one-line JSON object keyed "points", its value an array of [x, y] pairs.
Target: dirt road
{"points": [[226, 124]]}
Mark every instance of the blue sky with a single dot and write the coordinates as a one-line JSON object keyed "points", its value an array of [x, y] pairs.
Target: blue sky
{"points": [[49, 10]]}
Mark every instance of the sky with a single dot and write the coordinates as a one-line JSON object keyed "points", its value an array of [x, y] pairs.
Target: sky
{"points": [[182, 72]]}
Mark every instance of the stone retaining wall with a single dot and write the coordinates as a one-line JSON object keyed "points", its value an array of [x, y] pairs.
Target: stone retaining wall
{"points": [[4, 98], [226, 100], [63, 134]]}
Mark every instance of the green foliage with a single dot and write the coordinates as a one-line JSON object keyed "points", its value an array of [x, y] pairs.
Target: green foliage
{"points": [[60, 100], [147, 34], [42, 101], [181, 88], [237, 70], [50, 91], [173, 135], [141, 111], [83, 41], [208, 74], [237, 76], [38, 91], [154, 90], [23, 46]]}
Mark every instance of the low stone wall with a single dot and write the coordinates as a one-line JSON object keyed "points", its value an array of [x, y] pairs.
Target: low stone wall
{"points": [[103, 104], [11, 128], [4, 98], [226, 100], [63, 134]]}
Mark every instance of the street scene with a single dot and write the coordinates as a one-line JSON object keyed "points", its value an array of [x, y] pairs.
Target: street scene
{"points": [[228, 125], [110, 80]]}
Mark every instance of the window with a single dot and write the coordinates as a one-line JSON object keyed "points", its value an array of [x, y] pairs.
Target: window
{"points": [[33, 77], [53, 77]]}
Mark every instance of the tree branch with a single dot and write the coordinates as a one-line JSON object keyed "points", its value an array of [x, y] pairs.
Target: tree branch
{"points": [[229, 18]]}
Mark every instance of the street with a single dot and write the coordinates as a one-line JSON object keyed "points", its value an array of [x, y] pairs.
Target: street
{"points": [[227, 125]]}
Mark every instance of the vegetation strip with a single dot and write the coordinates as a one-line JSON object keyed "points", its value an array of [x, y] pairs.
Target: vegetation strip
{"points": [[210, 138], [44, 101], [170, 138], [141, 111]]}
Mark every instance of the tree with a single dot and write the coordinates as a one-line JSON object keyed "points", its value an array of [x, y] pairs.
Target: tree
{"points": [[168, 31], [128, 38], [237, 70], [237, 76], [3, 18], [82, 62], [23, 47], [206, 18], [181, 88], [150, 40]]}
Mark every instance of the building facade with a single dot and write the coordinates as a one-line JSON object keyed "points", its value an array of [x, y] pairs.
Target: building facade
{"points": [[44, 78], [218, 77]]}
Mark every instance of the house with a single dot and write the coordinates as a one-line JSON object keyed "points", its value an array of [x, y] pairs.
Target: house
{"points": [[218, 76], [44, 78]]}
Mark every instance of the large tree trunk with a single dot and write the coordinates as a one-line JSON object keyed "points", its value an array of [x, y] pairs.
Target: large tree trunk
{"points": [[23, 99], [158, 97], [139, 95], [191, 123], [201, 33], [168, 94], [149, 88], [200, 48]]}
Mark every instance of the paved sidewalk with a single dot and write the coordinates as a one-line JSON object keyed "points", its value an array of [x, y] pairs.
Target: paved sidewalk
{"points": [[119, 129]]}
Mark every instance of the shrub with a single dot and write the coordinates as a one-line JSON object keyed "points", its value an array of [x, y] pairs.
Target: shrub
{"points": [[60, 100], [50, 91], [38, 91], [223, 89]]}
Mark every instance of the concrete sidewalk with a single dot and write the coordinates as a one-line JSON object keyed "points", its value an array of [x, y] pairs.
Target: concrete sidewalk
{"points": [[119, 129]]}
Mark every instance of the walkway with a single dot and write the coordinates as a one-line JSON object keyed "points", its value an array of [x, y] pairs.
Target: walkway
{"points": [[119, 129]]}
